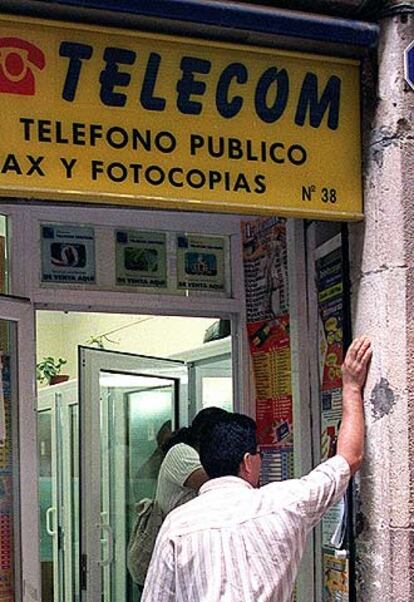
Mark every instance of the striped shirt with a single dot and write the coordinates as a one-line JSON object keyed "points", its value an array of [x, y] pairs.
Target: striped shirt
{"points": [[234, 543]]}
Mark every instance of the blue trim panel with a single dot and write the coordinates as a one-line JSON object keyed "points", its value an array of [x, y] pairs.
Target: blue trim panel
{"points": [[244, 17]]}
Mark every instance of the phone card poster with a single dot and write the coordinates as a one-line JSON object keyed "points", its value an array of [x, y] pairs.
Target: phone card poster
{"points": [[336, 579], [200, 263], [265, 268], [68, 254], [140, 258], [329, 272]]}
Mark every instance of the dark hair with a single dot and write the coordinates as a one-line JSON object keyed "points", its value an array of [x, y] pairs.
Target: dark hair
{"points": [[191, 435], [222, 449], [204, 421], [164, 433], [182, 435]]}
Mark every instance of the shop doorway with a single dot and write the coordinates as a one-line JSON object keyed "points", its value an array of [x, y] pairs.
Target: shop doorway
{"points": [[100, 434]]}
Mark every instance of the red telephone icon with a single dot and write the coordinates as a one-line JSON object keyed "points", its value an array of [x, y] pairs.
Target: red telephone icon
{"points": [[17, 56]]}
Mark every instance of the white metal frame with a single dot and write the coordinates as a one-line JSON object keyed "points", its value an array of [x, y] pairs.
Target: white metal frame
{"points": [[68, 502], [104, 514], [198, 362], [25, 266], [300, 384]]}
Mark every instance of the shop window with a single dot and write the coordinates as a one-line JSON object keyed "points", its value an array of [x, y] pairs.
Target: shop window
{"points": [[8, 466], [4, 256]]}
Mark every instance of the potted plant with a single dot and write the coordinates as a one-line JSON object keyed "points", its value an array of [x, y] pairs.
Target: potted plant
{"points": [[48, 370]]}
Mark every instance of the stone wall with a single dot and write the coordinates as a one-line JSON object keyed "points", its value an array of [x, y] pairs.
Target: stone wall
{"points": [[382, 273]]}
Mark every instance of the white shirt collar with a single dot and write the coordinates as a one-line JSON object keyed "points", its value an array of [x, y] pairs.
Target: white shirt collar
{"points": [[224, 482]]}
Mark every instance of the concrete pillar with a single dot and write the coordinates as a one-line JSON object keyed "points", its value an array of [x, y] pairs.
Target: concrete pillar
{"points": [[382, 273]]}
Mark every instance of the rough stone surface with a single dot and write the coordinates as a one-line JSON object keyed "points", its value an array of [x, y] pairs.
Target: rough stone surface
{"points": [[382, 274]]}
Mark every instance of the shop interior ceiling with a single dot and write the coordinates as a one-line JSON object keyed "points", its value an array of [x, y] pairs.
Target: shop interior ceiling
{"points": [[59, 334]]}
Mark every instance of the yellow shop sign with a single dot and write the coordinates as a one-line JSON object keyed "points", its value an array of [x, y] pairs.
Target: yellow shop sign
{"points": [[108, 115]]}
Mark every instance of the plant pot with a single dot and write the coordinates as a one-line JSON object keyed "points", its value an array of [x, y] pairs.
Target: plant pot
{"points": [[59, 378]]}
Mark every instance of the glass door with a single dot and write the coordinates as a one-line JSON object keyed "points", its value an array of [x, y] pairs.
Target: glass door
{"points": [[128, 404]]}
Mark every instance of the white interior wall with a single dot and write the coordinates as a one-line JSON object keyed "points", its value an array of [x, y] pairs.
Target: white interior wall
{"points": [[59, 334]]}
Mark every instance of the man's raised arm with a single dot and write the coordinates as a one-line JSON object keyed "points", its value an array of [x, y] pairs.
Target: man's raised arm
{"points": [[354, 373]]}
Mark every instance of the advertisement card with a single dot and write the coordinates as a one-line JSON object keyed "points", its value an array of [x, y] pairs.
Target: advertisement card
{"points": [[265, 268], [336, 576], [330, 298], [68, 254], [140, 258], [331, 415], [200, 263]]}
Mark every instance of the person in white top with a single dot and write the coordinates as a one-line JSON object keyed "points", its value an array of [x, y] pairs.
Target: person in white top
{"points": [[181, 474], [179, 479], [236, 542]]}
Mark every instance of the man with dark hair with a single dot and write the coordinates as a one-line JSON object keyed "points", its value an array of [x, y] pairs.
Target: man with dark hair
{"points": [[222, 452], [236, 542]]}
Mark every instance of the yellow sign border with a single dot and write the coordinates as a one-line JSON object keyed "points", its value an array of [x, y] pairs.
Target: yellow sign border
{"points": [[145, 201]]}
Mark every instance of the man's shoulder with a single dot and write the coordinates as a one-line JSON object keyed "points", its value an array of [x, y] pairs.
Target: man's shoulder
{"points": [[183, 518]]}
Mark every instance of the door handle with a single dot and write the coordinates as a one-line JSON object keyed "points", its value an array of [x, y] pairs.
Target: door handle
{"points": [[49, 513], [110, 541]]}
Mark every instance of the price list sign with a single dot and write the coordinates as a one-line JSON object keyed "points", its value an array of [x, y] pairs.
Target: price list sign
{"points": [[267, 303]]}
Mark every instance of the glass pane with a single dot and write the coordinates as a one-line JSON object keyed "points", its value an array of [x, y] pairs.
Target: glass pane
{"points": [[73, 560], [214, 383], [136, 416], [217, 391], [149, 427], [58, 446], [44, 428], [8, 465]]}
